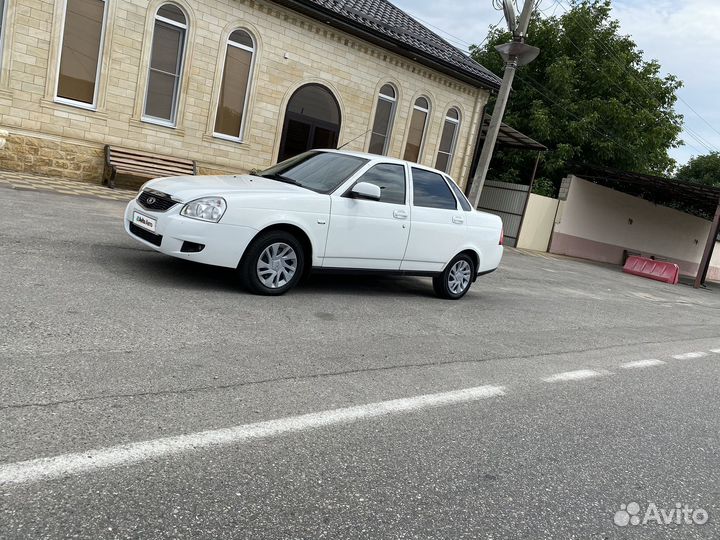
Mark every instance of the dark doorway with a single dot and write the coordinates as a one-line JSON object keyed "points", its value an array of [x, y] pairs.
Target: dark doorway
{"points": [[312, 120]]}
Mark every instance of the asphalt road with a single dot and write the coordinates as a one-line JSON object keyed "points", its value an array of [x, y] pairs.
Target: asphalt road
{"points": [[105, 343]]}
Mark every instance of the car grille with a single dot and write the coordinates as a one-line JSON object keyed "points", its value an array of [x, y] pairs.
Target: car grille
{"points": [[154, 200], [155, 239]]}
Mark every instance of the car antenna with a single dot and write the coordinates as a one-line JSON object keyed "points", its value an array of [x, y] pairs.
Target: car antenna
{"points": [[355, 139]]}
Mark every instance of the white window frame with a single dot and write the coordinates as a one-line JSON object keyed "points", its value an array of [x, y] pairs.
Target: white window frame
{"points": [[65, 101], [252, 50], [393, 101], [3, 18], [453, 143], [425, 125], [423, 109], [181, 66]]}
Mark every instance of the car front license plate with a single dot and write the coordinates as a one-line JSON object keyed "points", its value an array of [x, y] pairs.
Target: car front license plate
{"points": [[144, 221]]}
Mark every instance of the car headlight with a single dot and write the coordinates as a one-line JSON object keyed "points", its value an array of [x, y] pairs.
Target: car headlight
{"points": [[206, 209]]}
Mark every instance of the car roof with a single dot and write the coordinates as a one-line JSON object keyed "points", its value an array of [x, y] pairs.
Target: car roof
{"points": [[384, 159]]}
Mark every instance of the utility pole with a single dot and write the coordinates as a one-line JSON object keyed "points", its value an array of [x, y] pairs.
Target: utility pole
{"points": [[516, 53]]}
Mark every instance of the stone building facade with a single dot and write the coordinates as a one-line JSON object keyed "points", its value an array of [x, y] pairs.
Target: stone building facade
{"points": [[233, 84]]}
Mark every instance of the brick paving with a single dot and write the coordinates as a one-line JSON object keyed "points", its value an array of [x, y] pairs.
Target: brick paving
{"points": [[66, 186]]}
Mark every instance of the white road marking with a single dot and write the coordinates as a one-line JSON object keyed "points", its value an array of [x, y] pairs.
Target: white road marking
{"points": [[642, 364], [576, 375], [689, 356], [716, 351], [114, 456]]}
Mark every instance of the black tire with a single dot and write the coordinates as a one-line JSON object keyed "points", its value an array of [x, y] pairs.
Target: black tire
{"points": [[442, 282], [250, 274]]}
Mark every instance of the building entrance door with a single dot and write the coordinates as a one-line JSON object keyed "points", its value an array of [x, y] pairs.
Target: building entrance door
{"points": [[312, 120]]}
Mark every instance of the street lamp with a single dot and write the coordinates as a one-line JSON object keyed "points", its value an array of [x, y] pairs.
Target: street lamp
{"points": [[516, 53]]}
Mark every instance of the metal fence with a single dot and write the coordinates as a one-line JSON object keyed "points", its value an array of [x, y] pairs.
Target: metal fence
{"points": [[507, 201]]}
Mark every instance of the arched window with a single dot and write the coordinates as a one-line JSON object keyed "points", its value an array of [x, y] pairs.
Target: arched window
{"points": [[416, 135], [448, 140], [232, 103], [384, 115], [166, 63], [80, 51], [312, 120]]}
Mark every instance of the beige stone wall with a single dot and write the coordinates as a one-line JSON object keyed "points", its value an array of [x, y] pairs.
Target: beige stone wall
{"points": [[63, 140], [598, 223], [61, 158]]}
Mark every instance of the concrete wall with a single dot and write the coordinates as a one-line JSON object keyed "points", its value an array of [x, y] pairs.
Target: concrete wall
{"points": [[598, 223], [538, 223], [57, 139]]}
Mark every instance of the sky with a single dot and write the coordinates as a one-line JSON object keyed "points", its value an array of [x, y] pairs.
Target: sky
{"points": [[682, 35]]}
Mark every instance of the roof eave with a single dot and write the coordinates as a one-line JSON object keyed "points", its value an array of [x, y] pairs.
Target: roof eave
{"points": [[402, 49]]}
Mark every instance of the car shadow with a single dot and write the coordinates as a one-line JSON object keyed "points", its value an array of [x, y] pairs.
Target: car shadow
{"points": [[161, 270], [366, 285]]}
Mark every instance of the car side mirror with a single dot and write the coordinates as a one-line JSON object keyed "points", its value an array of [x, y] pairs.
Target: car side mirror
{"points": [[366, 190]]}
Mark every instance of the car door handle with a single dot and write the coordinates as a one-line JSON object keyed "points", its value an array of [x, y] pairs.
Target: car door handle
{"points": [[400, 214], [458, 219]]}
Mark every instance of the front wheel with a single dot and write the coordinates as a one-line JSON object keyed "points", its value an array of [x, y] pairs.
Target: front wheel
{"points": [[273, 263], [456, 279]]}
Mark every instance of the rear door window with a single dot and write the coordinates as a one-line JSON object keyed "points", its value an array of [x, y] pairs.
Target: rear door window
{"points": [[431, 191]]}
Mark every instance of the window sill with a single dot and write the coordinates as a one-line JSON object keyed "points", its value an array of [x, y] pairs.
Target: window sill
{"points": [[224, 139], [158, 122], [77, 104], [6, 93], [75, 107], [146, 123]]}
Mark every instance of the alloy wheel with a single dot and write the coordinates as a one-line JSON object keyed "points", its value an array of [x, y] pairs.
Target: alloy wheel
{"points": [[277, 265], [459, 277]]}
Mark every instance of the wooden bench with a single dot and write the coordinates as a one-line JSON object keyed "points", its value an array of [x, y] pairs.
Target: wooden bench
{"points": [[143, 164]]}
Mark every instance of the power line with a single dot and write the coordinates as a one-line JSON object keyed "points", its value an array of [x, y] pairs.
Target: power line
{"points": [[555, 5], [613, 57], [426, 23], [629, 96], [613, 54], [698, 115], [538, 87], [492, 28]]}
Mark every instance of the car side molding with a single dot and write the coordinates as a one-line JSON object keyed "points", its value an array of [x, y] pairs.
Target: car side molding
{"points": [[371, 271]]}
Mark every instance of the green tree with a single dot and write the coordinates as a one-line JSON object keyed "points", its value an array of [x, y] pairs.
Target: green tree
{"points": [[590, 97], [702, 170]]}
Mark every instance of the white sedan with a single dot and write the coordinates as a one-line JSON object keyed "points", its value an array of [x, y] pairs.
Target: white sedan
{"points": [[324, 210]]}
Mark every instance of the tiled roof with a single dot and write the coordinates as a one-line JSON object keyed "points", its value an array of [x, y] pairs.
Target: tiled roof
{"points": [[383, 20]]}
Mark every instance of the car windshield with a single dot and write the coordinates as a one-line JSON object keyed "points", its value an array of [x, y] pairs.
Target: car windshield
{"points": [[322, 172]]}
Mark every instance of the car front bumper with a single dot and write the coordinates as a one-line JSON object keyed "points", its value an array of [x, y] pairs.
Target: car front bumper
{"points": [[223, 244]]}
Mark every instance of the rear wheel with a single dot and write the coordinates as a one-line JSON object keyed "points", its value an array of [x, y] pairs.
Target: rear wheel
{"points": [[273, 264], [456, 279]]}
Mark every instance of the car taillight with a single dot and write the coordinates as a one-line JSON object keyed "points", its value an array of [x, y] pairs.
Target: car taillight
{"points": [[502, 236]]}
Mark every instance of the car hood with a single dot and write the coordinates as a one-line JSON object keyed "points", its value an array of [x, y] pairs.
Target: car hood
{"points": [[187, 188]]}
